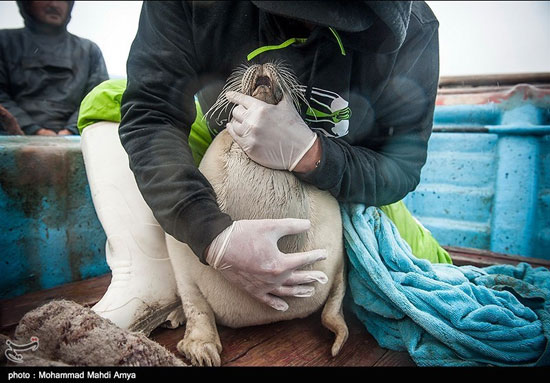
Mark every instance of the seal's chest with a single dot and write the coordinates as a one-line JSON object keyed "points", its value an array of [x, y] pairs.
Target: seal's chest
{"points": [[251, 191]]}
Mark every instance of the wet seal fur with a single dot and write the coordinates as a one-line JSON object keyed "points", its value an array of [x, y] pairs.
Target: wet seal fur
{"points": [[247, 190]]}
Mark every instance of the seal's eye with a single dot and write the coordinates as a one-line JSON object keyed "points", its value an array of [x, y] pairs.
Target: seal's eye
{"points": [[263, 80]]}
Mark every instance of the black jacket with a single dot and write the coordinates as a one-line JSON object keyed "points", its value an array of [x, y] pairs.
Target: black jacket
{"points": [[44, 77], [384, 81]]}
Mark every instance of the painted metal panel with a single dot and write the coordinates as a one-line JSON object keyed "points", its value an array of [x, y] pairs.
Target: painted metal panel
{"points": [[49, 232], [486, 181], [486, 184]]}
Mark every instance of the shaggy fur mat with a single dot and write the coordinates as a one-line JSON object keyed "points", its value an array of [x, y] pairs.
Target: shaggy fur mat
{"points": [[72, 335]]}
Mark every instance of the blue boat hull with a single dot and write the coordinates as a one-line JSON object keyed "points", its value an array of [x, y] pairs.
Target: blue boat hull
{"points": [[486, 185]]}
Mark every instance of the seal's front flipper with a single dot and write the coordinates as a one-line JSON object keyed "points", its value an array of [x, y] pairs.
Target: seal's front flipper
{"points": [[333, 316], [201, 343]]}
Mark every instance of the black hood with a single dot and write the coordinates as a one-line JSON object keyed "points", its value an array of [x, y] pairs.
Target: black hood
{"points": [[395, 16], [388, 19], [36, 26]]}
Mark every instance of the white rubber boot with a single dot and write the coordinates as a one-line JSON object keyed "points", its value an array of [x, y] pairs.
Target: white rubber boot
{"points": [[142, 294]]}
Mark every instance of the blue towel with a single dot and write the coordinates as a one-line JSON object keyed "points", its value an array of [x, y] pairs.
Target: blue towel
{"points": [[444, 315]]}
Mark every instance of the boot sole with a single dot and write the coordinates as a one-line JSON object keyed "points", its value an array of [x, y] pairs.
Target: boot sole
{"points": [[152, 317]]}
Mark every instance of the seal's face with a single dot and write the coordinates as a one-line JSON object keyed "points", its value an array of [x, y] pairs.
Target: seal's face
{"points": [[266, 82], [262, 82]]}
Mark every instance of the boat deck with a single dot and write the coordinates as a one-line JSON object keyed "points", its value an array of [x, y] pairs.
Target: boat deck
{"points": [[300, 342]]}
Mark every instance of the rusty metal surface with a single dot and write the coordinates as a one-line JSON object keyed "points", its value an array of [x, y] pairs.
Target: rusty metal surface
{"points": [[494, 80], [49, 232], [496, 95]]}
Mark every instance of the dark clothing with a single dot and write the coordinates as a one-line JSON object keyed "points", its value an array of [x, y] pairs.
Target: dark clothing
{"points": [[379, 90], [44, 77]]}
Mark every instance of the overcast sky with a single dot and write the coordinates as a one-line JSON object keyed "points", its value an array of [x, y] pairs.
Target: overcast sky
{"points": [[476, 37]]}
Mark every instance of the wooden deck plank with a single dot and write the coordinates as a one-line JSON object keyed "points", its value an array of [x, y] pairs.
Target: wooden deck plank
{"points": [[395, 359], [86, 293], [303, 342], [361, 349], [482, 258], [293, 343], [236, 342]]}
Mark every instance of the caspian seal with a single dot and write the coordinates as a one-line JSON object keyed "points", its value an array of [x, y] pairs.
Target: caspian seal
{"points": [[247, 190]]}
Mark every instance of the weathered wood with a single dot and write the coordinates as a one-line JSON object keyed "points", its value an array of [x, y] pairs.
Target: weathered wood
{"points": [[87, 293], [290, 343], [236, 342], [300, 342], [361, 349], [395, 359], [482, 258]]}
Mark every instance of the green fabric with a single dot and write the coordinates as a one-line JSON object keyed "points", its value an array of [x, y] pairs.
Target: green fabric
{"points": [[291, 41], [103, 104], [199, 138], [266, 48], [339, 40], [336, 116], [421, 241]]}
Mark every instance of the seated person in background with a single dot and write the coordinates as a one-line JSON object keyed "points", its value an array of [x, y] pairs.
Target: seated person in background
{"points": [[45, 71]]}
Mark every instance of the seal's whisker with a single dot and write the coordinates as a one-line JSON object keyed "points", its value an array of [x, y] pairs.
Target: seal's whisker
{"points": [[233, 84], [241, 78], [291, 87]]}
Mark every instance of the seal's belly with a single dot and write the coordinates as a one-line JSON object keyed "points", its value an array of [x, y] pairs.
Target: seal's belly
{"points": [[246, 190]]}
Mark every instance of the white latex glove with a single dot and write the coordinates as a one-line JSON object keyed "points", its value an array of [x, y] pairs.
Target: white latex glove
{"points": [[274, 136], [246, 253]]}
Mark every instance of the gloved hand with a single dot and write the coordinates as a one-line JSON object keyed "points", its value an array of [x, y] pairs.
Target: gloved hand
{"points": [[246, 253], [274, 136]]}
